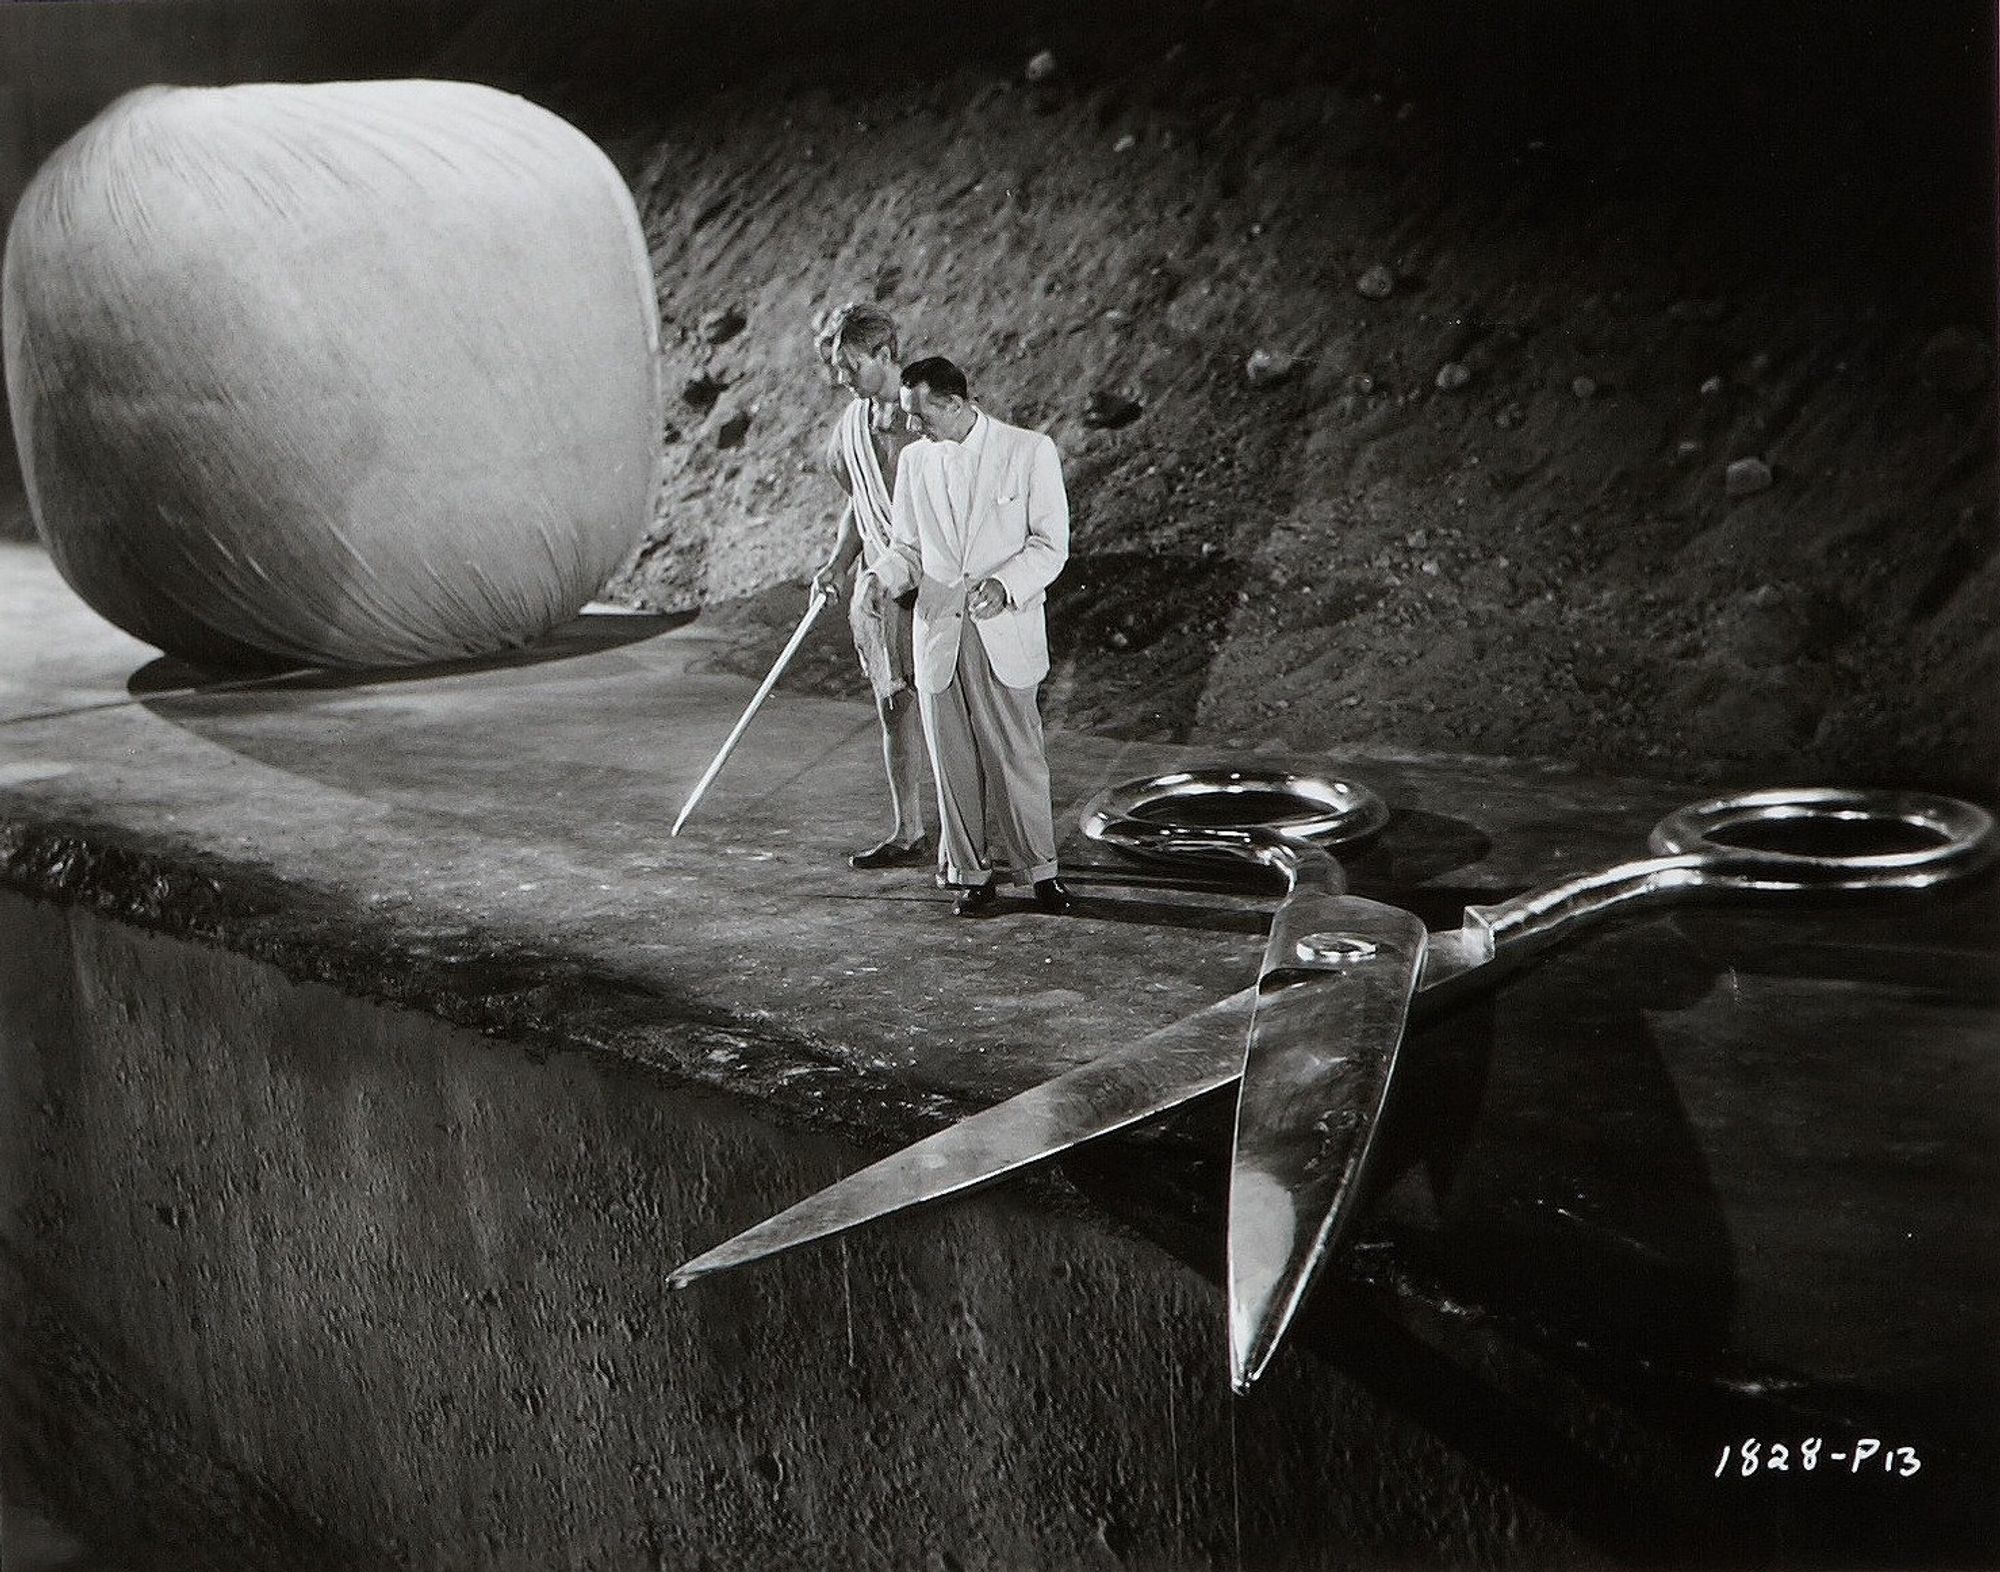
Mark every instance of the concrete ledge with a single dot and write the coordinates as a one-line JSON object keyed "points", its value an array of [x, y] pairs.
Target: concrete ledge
{"points": [[407, 1283], [394, 1288]]}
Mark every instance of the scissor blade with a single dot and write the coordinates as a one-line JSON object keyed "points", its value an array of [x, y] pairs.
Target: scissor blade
{"points": [[1332, 1003], [1172, 1066]]}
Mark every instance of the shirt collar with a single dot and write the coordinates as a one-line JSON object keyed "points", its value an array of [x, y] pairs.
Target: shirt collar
{"points": [[975, 438]]}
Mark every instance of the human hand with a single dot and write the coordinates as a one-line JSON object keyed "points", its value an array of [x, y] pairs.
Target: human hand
{"points": [[826, 582], [988, 597]]}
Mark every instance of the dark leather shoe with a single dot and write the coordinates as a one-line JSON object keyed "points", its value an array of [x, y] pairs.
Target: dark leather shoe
{"points": [[977, 901], [892, 854], [1052, 897]]}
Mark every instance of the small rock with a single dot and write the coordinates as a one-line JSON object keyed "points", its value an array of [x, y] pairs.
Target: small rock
{"points": [[722, 324], [732, 431], [1265, 367], [1359, 382], [1125, 143], [1688, 447], [1378, 283], [1957, 360], [1117, 317], [1111, 410], [1453, 374], [1041, 67], [1766, 595], [1352, 701], [1584, 387], [1430, 566], [1510, 417], [1711, 387], [1746, 477], [1417, 539], [1209, 548], [701, 392]]}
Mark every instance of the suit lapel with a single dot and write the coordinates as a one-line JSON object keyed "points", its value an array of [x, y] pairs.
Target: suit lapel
{"points": [[977, 490], [938, 478]]}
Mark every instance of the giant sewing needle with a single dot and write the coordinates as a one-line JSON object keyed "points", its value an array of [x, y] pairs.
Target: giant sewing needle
{"points": [[750, 711]]}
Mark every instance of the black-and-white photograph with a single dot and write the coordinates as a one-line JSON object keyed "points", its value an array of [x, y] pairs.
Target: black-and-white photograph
{"points": [[1198, 786]]}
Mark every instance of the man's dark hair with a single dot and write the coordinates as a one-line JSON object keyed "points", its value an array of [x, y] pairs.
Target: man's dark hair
{"points": [[937, 374]]}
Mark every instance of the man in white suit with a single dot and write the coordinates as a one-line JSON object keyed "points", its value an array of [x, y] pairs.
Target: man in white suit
{"points": [[980, 526]]}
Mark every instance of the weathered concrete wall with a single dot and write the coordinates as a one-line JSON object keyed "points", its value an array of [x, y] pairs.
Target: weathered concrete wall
{"points": [[304, 1281]]}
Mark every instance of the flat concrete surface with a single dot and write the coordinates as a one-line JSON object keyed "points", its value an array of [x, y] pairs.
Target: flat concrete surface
{"points": [[1701, 1177]]}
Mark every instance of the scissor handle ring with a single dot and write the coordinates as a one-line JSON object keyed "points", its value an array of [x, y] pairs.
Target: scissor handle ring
{"points": [[1136, 816], [1963, 835]]}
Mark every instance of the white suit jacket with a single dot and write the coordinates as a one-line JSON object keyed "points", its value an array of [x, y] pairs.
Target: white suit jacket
{"points": [[1016, 530]]}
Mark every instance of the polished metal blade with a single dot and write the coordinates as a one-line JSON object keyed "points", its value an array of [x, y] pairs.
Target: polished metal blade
{"points": [[1172, 1066], [1151, 1076], [1333, 1002]]}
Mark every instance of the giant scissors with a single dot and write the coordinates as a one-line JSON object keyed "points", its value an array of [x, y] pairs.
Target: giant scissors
{"points": [[1341, 978]]}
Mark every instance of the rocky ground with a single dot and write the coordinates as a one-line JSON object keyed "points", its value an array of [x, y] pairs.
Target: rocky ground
{"points": [[1602, 382], [1596, 393]]}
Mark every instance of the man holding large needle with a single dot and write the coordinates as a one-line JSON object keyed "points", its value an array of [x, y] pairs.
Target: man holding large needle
{"points": [[858, 344]]}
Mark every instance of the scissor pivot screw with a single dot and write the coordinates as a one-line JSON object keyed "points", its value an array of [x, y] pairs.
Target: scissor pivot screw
{"points": [[1333, 949]]}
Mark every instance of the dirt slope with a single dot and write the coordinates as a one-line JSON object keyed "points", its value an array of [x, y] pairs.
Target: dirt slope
{"points": [[1521, 285]]}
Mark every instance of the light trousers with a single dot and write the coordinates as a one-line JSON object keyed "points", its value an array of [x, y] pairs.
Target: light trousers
{"points": [[987, 754]]}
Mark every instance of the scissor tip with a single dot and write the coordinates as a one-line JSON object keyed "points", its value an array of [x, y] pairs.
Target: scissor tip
{"points": [[1241, 1379], [1249, 1357]]}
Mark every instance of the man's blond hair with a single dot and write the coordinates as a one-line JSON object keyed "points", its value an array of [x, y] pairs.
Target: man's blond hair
{"points": [[858, 326]]}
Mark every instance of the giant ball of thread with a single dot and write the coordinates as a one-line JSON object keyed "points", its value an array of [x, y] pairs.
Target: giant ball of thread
{"points": [[354, 375]]}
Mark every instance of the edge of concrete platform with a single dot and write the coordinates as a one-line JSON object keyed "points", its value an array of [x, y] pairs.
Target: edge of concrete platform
{"points": [[515, 986]]}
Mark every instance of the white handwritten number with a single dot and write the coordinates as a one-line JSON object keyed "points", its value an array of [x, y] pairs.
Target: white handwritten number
{"points": [[1750, 1457]]}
